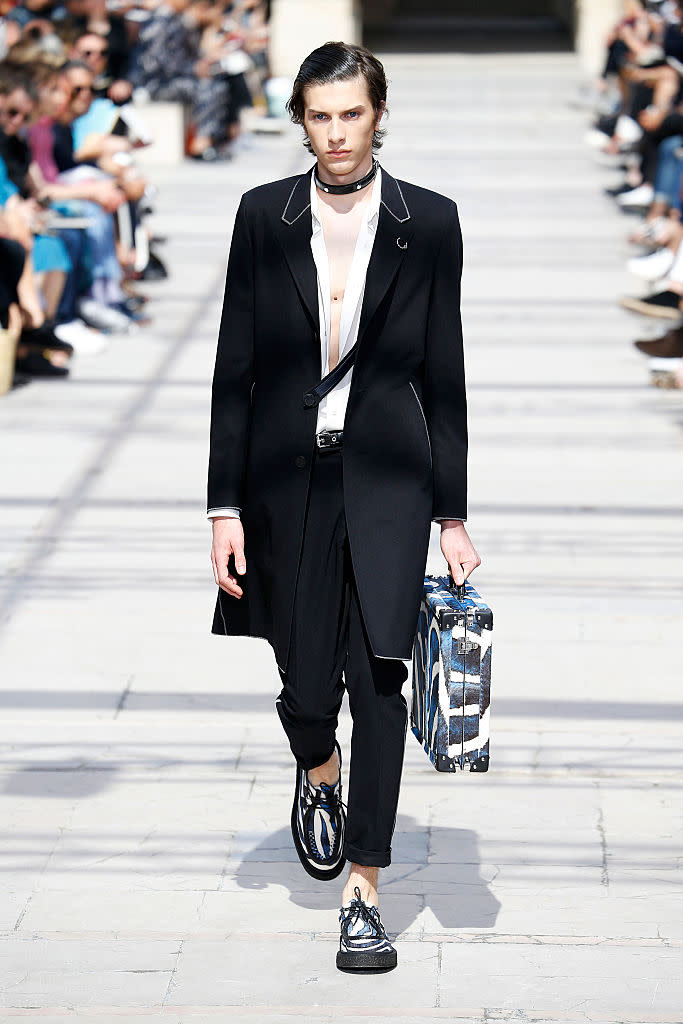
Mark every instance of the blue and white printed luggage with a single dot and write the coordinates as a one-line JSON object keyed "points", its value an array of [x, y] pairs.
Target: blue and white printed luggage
{"points": [[452, 676]]}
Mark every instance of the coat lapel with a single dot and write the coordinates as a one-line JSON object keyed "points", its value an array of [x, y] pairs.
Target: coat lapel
{"points": [[294, 235], [394, 232]]}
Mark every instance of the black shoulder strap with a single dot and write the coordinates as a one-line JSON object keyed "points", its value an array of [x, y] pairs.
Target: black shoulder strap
{"points": [[331, 379]]}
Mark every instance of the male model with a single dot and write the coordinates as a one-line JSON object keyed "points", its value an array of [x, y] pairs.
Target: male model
{"points": [[325, 473]]}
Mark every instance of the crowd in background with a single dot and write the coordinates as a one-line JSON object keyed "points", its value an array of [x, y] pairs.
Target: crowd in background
{"points": [[638, 104], [75, 78]]}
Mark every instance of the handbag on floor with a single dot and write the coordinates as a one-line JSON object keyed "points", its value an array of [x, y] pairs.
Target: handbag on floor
{"points": [[451, 683]]}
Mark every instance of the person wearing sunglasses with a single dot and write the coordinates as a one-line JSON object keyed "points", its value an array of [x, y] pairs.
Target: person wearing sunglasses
{"points": [[103, 30]]}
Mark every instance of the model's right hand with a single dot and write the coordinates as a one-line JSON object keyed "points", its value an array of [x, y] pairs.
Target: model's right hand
{"points": [[228, 538]]}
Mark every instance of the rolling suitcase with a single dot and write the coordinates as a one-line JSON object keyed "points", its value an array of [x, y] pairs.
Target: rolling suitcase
{"points": [[452, 676]]}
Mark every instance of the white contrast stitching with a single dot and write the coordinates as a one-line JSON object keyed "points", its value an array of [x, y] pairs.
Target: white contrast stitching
{"points": [[419, 403], [290, 222], [220, 606], [399, 219]]}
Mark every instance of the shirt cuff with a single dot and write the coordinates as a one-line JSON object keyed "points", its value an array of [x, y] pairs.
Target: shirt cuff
{"points": [[439, 519], [232, 513]]}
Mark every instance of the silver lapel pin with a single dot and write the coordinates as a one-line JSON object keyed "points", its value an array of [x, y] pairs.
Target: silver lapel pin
{"points": [[398, 243]]}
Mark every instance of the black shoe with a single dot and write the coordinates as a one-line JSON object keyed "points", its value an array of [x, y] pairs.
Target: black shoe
{"points": [[44, 337], [669, 346], [155, 269], [606, 123], [663, 304], [318, 825], [363, 943], [35, 364], [618, 190]]}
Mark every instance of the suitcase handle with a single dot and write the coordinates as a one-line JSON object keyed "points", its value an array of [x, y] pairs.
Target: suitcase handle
{"points": [[458, 588]]}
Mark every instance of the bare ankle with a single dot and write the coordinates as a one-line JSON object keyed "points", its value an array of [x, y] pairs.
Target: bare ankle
{"points": [[328, 772], [366, 878]]}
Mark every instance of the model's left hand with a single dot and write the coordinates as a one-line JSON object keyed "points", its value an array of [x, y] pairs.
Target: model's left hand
{"points": [[458, 550]]}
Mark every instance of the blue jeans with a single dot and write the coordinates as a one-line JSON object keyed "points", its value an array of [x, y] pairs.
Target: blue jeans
{"points": [[669, 174]]}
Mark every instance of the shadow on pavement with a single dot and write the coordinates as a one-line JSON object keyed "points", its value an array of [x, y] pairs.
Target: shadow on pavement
{"points": [[451, 886]]}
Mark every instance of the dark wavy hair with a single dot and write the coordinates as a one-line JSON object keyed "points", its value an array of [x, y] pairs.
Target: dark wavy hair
{"points": [[338, 62]]}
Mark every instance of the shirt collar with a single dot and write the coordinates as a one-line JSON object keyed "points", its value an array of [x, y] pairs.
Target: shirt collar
{"points": [[371, 210]]}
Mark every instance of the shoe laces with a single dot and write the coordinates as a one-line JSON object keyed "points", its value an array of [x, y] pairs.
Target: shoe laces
{"points": [[357, 910], [326, 795]]}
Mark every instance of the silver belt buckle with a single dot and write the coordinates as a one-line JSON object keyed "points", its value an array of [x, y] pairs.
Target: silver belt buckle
{"points": [[328, 438]]}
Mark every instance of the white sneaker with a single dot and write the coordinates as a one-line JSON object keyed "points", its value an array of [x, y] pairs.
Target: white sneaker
{"points": [[84, 339], [652, 267], [640, 196], [596, 139], [660, 363], [627, 130], [107, 319], [676, 271]]}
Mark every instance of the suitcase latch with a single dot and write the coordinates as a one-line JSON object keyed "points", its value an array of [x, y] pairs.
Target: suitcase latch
{"points": [[465, 646]]}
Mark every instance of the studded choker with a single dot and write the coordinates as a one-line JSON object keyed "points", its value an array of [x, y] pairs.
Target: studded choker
{"points": [[352, 186]]}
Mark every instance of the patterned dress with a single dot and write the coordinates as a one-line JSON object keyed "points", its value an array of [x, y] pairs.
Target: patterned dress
{"points": [[163, 64]]}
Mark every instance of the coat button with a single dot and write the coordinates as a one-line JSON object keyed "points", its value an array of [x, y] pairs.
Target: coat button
{"points": [[300, 461], [309, 399]]}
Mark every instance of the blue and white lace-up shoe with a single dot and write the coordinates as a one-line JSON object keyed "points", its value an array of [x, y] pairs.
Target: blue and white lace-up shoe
{"points": [[363, 943], [319, 824]]}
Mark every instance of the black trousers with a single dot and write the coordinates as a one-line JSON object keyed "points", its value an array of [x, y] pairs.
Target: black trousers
{"points": [[329, 641]]}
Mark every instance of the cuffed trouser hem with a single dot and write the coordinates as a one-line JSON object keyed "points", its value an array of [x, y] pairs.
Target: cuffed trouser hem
{"points": [[368, 858], [307, 763]]}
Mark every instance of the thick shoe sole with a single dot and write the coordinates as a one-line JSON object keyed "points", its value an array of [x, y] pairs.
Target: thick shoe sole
{"points": [[366, 961]]}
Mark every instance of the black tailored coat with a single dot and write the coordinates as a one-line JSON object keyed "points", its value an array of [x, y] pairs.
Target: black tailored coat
{"points": [[405, 429]]}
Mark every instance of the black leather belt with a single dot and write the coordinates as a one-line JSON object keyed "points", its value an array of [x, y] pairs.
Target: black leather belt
{"points": [[329, 440]]}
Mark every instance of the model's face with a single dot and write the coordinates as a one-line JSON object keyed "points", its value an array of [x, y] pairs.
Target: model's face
{"points": [[340, 122], [15, 111]]}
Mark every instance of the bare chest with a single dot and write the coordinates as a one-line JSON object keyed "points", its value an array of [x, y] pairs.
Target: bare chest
{"points": [[341, 233]]}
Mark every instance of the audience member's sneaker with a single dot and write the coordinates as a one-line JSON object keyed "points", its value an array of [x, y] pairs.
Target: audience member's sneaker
{"points": [[319, 824], [627, 130], [618, 190], [662, 304], [363, 942], [84, 339], [654, 266], [107, 319], [596, 139], [642, 195], [135, 314], [669, 346]]}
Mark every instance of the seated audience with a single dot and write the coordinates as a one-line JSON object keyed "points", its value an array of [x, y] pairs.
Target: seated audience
{"points": [[74, 204]]}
